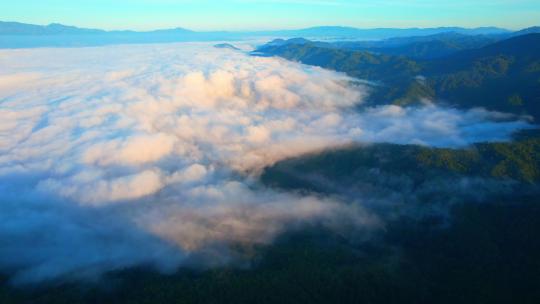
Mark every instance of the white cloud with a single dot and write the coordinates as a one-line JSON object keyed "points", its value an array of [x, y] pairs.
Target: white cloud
{"points": [[165, 140], [98, 190], [132, 151]]}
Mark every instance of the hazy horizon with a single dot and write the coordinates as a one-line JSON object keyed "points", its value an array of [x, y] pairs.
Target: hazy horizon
{"points": [[180, 26], [238, 15]]}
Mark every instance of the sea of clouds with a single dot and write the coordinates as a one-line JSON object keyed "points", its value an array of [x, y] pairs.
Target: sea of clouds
{"points": [[117, 156]]}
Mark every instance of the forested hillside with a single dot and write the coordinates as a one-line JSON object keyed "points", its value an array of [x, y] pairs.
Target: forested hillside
{"points": [[504, 76]]}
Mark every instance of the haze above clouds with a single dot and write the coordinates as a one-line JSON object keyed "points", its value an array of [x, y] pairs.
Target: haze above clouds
{"points": [[272, 14], [117, 156]]}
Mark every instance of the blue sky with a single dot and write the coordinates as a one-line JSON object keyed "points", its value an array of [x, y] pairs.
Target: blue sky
{"points": [[272, 14]]}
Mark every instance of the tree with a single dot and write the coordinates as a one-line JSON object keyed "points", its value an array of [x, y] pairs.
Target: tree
{"points": [[515, 100]]}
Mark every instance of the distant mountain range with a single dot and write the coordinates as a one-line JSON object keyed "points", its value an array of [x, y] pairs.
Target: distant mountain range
{"points": [[16, 28], [417, 47], [503, 75], [21, 35], [382, 33]]}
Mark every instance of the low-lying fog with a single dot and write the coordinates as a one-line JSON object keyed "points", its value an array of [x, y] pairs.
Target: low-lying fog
{"points": [[117, 156]]}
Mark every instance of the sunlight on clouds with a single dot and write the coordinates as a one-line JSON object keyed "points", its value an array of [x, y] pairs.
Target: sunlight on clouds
{"points": [[167, 141]]}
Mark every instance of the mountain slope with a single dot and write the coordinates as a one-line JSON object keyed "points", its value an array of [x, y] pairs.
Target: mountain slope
{"points": [[529, 30], [415, 47], [433, 46], [503, 76]]}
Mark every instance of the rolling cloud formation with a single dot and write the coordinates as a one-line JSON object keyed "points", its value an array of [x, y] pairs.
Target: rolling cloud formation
{"points": [[117, 156]]}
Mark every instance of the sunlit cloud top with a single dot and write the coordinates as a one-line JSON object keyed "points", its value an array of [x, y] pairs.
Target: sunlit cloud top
{"points": [[117, 156]]}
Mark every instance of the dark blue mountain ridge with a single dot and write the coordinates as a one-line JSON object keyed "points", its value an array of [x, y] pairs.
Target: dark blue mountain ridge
{"points": [[17, 28], [416, 47], [502, 76], [21, 35], [226, 46], [529, 30], [382, 33]]}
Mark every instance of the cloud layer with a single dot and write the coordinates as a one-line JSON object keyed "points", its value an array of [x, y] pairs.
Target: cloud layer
{"points": [[122, 155]]}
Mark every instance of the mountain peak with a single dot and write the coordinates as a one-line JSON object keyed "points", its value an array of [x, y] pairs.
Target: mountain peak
{"points": [[529, 30], [57, 25]]}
